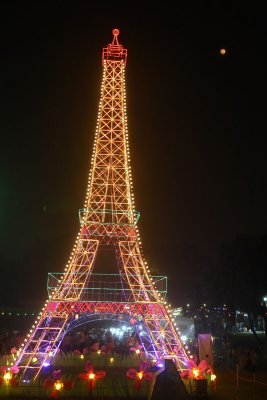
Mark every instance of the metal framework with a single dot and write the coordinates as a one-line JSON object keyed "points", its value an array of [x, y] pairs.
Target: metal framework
{"points": [[107, 287], [108, 218]]}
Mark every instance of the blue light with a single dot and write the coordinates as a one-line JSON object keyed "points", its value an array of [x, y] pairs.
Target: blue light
{"points": [[46, 364]]}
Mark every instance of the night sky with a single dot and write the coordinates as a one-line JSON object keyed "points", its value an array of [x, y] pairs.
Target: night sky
{"points": [[197, 127]]}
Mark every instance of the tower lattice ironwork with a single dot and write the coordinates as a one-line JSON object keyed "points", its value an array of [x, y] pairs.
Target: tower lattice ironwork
{"points": [[108, 218]]}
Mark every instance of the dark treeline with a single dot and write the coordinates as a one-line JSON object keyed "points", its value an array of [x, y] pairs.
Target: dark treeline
{"points": [[237, 278]]}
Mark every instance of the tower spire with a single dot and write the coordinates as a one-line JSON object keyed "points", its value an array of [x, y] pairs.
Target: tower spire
{"points": [[116, 33], [114, 50]]}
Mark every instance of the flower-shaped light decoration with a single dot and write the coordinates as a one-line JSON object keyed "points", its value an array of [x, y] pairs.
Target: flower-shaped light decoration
{"points": [[14, 369], [6, 375], [91, 376], [199, 371], [9, 377], [139, 376], [56, 384], [137, 349], [3, 369]]}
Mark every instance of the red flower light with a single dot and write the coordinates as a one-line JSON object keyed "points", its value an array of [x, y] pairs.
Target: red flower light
{"points": [[91, 376], [56, 384], [197, 371], [140, 375]]}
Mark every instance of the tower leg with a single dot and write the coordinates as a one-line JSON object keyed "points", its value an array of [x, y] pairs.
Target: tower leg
{"points": [[165, 338], [78, 271], [52, 324], [43, 344]]}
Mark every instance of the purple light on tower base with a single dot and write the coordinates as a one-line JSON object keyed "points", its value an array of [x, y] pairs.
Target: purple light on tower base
{"points": [[46, 364]]}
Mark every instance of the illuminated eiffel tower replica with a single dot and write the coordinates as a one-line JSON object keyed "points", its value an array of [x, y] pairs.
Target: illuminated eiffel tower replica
{"points": [[108, 219]]}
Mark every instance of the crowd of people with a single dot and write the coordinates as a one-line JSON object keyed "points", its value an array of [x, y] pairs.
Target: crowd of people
{"points": [[10, 339], [100, 339], [123, 343], [81, 341]]}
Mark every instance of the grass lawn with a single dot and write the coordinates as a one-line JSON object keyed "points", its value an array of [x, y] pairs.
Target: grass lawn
{"points": [[114, 385], [250, 386], [248, 340], [226, 387]]}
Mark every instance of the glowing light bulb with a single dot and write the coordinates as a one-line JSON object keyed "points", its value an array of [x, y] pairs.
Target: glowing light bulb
{"points": [[7, 376], [91, 376], [58, 385], [140, 375], [195, 372]]}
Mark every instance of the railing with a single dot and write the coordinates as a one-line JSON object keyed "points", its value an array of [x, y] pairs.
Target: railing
{"points": [[107, 287], [108, 217]]}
